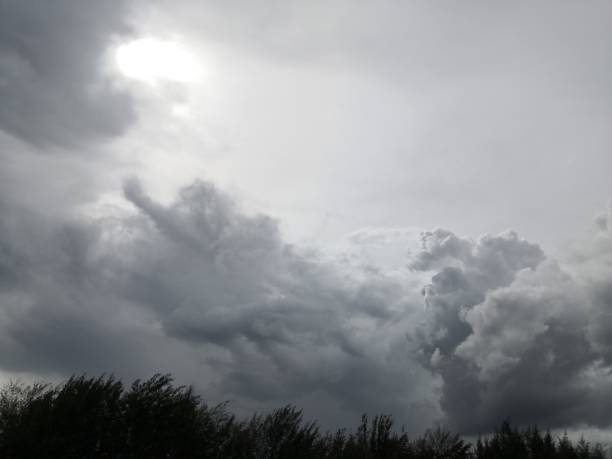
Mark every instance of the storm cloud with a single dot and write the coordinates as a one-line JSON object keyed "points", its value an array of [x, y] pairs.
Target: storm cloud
{"points": [[500, 329], [269, 323], [514, 332]]}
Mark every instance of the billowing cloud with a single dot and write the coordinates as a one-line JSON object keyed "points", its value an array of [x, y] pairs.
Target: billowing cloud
{"points": [[216, 295], [267, 322], [464, 271], [514, 333], [53, 85]]}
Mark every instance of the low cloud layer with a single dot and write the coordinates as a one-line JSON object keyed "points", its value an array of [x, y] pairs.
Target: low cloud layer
{"points": [[200, 288], [266, 323]]}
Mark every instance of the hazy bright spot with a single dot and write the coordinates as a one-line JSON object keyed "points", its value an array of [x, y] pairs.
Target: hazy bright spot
{"points": [[152, 60]]}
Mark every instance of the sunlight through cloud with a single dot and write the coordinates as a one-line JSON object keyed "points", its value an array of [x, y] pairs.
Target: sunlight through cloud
{"points": [[153, 60]]}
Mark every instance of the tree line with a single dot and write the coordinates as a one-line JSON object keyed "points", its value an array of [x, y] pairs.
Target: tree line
{"points": [[88, 417]]}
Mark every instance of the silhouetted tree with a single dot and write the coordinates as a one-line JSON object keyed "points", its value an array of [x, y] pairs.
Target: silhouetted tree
{"points": [[81, 418], [549, 450], [583, 449], [565, 449], [598, 452], [440, 444], [99, 418], [163, 421]]}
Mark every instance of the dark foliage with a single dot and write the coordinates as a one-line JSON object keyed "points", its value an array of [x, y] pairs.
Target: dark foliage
{"points": [[100, 418], [508, 442]]}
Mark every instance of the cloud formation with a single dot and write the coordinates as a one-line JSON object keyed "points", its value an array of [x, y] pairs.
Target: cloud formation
{"points": [[513, 333], [203, 289], [268, 322], [53, 86]]}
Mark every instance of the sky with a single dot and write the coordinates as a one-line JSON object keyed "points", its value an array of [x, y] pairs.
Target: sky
{"points": [[389, 207]]}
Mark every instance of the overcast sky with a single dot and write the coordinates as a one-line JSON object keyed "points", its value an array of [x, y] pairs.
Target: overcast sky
{"points": [[352, 206]]}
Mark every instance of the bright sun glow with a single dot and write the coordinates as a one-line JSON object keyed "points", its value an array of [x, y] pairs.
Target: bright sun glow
{"points": [[153, 60]]}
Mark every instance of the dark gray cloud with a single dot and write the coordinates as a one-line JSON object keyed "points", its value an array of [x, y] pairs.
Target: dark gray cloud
{"points": [[289, 323], [266, 322], [53, 85], [200, 288]]}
